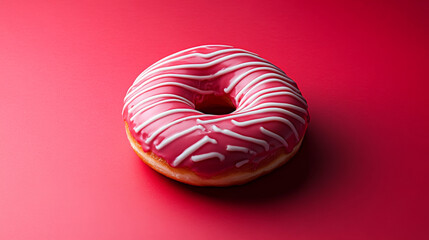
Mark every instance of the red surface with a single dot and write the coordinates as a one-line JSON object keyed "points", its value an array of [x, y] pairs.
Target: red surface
{"points": [[67, 170]]}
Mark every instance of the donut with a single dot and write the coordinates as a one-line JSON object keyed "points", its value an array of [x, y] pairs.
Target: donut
{"points": [[214, 115]]}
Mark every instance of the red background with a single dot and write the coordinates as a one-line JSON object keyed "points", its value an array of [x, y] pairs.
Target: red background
{"points": [[67, 170]]}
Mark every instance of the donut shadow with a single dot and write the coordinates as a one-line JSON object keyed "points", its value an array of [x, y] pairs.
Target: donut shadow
{"points": [[297, 174]]}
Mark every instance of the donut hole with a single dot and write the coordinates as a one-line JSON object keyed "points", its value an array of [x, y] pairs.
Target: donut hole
{"points": [[215, 105]]}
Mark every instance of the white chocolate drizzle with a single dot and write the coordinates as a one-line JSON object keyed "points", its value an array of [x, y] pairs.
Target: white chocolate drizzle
{"points": [[194, 147], [175, 136], [244, 106], [163, 128], [161, 115], [274, 135], [184, 86], [253, 112], [132, 96], [230, 133], [208, 64], [239, 78], [268, 90], [241, 163], [155, 104], [170, 57], [205, 156], [161, 96], [267, 119], [233, 148], [264, 76], [209, 55]]}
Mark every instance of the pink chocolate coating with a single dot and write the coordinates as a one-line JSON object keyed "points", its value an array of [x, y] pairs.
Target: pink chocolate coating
{"points": [[160, 108]]}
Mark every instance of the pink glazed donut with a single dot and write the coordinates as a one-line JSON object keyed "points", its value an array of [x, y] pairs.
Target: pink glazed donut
{"points": [[214, 115]]}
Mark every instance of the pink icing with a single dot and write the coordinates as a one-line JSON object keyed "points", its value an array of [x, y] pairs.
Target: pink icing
{"points": [[160, 109]]}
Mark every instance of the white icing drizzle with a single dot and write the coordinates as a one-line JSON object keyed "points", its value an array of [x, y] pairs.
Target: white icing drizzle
{"points": [[154, 104], [205, 156], [206, 77], [163, 128], [161, 96], [242, 137], [163, 60], [218, 73], [161, 115], [244, 107], [200, 78], [175, 136], [275, 89], [265, 82], [233, 148], [181, 85], [277, 104], [208, 64], [252, 112], [239, 78], [241, 163], [274, 135], [267, 119], [264, 76], [202, 55], [191, 149]]}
